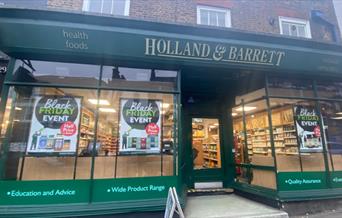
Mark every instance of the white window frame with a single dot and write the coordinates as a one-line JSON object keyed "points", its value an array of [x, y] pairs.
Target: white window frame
{"points": [[86, 5], [306, 23], [228, 22]]}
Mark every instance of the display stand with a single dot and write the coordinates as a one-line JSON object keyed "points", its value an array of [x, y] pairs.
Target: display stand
{"points": [[173, 205]]}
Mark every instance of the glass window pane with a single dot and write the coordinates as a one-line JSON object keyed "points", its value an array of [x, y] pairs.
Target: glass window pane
{"points": [[221, 19], [290, 87], [286, 28], [296, 133], [212, 18], [329, 89], [107, 6], [95, 6], [293, 30], [45, 140], [332, 123], [119, 7], [124, 77], [204, 14], [301, 30], [263, 178], [57, 72], [206, 152], [135, 135], [258, 133]]}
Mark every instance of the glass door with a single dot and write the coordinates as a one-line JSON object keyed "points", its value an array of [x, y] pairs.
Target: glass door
{"points": [[206, 148]]}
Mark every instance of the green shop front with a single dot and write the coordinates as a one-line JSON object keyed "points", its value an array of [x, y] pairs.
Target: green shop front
{"points": [[102, 115]]}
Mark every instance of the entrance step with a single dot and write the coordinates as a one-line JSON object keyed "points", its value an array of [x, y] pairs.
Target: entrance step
{"points": [[210, 191], [228, 206]]}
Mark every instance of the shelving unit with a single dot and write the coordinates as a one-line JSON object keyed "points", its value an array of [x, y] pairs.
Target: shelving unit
{"points": [[258, 136]]}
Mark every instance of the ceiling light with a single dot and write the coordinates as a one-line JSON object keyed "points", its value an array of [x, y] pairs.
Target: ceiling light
{"points": [[247, 108], [166, 105], [18, 108], [101, 101], [234, 114], [336, 118], [339, 113], [107, 110], [216, 124]]}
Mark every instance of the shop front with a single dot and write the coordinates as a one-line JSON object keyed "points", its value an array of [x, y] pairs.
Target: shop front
{"points": [[105, 114]]}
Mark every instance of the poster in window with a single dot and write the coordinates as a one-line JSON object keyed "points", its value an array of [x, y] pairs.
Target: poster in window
{"points": [[54, 125], [140, 126], [308, 129]]}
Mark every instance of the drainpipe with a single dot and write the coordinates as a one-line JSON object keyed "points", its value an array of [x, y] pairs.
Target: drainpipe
{"points": [[319, 17]]}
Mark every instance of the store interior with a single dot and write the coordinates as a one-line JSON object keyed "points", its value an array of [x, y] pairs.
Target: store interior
{"points": [[206, 143]]}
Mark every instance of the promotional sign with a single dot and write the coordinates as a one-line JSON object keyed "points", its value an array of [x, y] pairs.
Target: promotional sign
{"points": [[54, 124], [140, 125], [308, 129]]}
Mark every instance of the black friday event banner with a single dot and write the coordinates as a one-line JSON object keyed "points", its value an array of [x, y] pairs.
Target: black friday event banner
{"points": [[54, 124], [308, 128], [140, 125]]}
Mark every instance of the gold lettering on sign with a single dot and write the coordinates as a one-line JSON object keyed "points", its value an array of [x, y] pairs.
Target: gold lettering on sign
{"points": [[220, 52]]}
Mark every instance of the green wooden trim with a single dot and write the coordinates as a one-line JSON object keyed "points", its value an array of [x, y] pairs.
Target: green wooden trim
{"points": [[270, 127], [260, 167], [88, 87], [103, 208], [301, 195], [256, 190]]}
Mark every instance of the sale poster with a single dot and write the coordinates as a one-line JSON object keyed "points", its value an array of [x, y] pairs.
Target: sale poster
{"points": [[140, 126], [54, 124], [308, 129]]}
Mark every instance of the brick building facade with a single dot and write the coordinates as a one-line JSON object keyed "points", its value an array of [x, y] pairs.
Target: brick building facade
{"points": [[256, 16]]}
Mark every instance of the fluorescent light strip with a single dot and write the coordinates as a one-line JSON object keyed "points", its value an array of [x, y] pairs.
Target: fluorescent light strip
{"points": [[246, 108], [101, 101], [107, 110]]}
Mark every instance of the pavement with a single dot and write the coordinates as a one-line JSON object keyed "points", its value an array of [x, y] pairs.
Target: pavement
{"points": [[226, 206]]}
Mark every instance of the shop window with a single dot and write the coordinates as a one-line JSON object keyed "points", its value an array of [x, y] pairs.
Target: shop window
{"points": [[294, 27], [332, 123], [253, 145], [329, 89], [56, 73], [240, 147], [279, 86], [152, 79], [212, 16], [297, 136], [44, 134], [114, 7], [135, 135]]}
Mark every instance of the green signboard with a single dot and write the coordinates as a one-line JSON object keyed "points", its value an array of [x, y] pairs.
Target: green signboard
{"points": [[336, 179], [132, 188], [291, 181], [44, 192], [67, 39], [78, 191]]}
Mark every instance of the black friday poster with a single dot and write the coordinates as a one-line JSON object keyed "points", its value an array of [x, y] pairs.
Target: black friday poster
{"points": [[140, 122], [308, 129], [54, 124]]}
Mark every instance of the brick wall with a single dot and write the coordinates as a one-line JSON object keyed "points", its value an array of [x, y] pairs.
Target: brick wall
{"points": [[66, 4], [249, 15], [181, 11]]}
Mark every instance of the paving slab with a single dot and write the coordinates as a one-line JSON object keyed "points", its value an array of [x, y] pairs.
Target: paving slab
{"points": [[229, 205]]}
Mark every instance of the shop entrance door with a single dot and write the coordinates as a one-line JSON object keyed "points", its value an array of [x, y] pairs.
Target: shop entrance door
{"points": [[206, 150]]}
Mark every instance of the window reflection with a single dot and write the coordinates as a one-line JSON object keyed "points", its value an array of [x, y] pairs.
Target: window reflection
{"points": [[56, 72], [123, 77]]}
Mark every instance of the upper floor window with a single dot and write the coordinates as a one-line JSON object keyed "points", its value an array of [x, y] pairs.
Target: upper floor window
{"points": [[115, 7], [212, 16], [294, 27]]}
